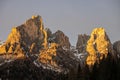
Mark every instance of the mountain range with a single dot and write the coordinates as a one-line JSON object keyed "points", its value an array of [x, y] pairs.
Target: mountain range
{"points": [[33, 52]]}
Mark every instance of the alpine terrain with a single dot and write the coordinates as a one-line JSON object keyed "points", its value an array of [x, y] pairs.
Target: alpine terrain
{"points": [[33, 52]]}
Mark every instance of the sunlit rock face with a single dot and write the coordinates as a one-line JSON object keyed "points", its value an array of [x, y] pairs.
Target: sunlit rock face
{"points": [[2, 49], [27, 37], [31, 38], [47, 55], [34, 52], [53, 55], [82, 42], [98, 46], [14, 37]]}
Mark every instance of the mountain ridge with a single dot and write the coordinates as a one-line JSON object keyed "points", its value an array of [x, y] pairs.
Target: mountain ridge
{"points": [[30, 44]]}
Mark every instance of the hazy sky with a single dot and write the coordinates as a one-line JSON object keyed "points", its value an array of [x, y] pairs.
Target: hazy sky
{"points": [[73, 17]]}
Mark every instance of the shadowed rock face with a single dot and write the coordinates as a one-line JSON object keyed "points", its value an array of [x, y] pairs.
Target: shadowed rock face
{"points": [[109, 67], [61, 39], [24, 69], [116, 47], [81, 43]]}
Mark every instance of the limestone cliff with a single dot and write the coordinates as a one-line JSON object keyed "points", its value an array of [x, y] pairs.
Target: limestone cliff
{"points": [[47, 55], [61, 39], [31, 38], [116, 47], [98, 46], [32, 52], [27, 37], [53, 55], [82, 42]]}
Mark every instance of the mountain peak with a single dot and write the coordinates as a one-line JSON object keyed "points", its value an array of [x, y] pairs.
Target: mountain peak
{"points": [[32, 37], [32, 48], [34, 16], [98, 46], [24, 36]]}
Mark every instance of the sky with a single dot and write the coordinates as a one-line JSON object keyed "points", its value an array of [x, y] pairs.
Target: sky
{"points": [[73, 17]]}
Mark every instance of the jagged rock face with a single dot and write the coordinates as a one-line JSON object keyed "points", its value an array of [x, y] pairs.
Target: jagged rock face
{"points": [[30, 30], [81, 43], [116, 47], [98, 46], [61, 39], [49, 33], [31, 37], [60, 61], [108, 66], [14, 37], [54, 56], [51, 54], [47, 55], [26, 37]]}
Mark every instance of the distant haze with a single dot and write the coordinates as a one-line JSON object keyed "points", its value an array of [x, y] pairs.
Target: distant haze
{"points": [[73, 17]]}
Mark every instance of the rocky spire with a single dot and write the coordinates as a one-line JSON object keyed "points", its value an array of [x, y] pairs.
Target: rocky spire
{"points": [[61, 39], [22, 38], [82, 42], [98, 46]]}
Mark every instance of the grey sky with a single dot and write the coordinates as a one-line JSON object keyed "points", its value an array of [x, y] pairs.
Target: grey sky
{"points": [[73, 17]]}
